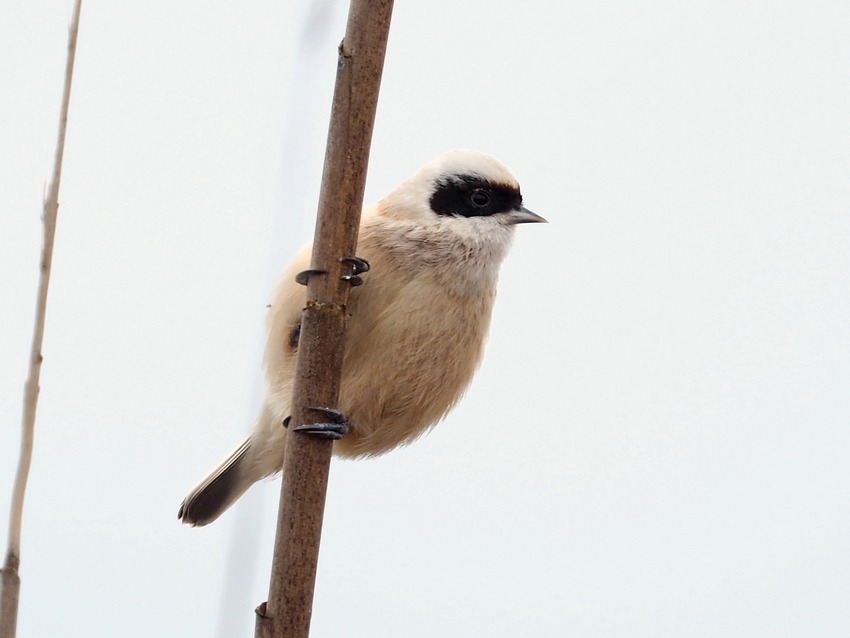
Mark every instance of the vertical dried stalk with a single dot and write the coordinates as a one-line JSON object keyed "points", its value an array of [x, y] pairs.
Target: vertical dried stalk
{"points": [[307, 461], [11, 582]]}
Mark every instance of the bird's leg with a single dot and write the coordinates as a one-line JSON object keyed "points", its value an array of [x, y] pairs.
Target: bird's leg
{"points": [[334, 428], [358, 267]]}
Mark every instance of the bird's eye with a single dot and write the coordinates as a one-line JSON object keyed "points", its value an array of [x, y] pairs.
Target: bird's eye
{"points": [[479, 198]]}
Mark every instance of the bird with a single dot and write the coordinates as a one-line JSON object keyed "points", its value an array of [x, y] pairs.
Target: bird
{"points": [[417, 327]]}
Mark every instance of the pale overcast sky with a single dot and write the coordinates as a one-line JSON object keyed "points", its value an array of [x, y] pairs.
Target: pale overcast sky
{"points": [[657, 443]]}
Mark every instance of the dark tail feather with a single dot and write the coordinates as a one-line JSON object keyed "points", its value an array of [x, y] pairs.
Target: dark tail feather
{"points": [[218, 491]]}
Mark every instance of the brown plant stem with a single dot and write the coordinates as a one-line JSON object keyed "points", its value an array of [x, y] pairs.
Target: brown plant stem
{"points": [[11, 581], [307, 461]]}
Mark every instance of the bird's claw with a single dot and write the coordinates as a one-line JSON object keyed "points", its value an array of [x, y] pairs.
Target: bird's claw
{"points": [[303, 277], [358, 267], [334, 428]]}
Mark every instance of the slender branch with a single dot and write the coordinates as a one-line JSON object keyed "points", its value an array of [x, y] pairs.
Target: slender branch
{"points": [[11, 581], [307, 461]]}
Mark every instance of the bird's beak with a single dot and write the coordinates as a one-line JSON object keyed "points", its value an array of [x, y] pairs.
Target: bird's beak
{"points": [[522, 215]]}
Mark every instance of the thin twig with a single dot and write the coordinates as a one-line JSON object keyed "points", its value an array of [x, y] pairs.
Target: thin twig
{"points": [[11, 582], [307, 461]]}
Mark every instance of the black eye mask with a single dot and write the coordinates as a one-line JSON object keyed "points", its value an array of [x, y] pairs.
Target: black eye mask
{"points": [[470, 196]]}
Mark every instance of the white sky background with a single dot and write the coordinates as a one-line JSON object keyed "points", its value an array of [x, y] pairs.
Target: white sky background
{"points": [[657, 443]]}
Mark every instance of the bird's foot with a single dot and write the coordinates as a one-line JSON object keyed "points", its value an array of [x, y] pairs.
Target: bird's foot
{"points": [[336, 427], [358, 267], [303, 277]]}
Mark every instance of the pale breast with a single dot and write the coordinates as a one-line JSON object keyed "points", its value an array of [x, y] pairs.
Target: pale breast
{"points": [[413, 347]]}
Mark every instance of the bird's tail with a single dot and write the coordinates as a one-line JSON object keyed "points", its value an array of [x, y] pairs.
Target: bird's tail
{"points": [[219, 490]]}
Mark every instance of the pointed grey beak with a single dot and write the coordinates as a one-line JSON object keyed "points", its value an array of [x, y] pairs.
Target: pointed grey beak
{"points": [[524, 216]]}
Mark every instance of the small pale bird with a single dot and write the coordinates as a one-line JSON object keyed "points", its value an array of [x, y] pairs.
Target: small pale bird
{"points": [[417, 325]]}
